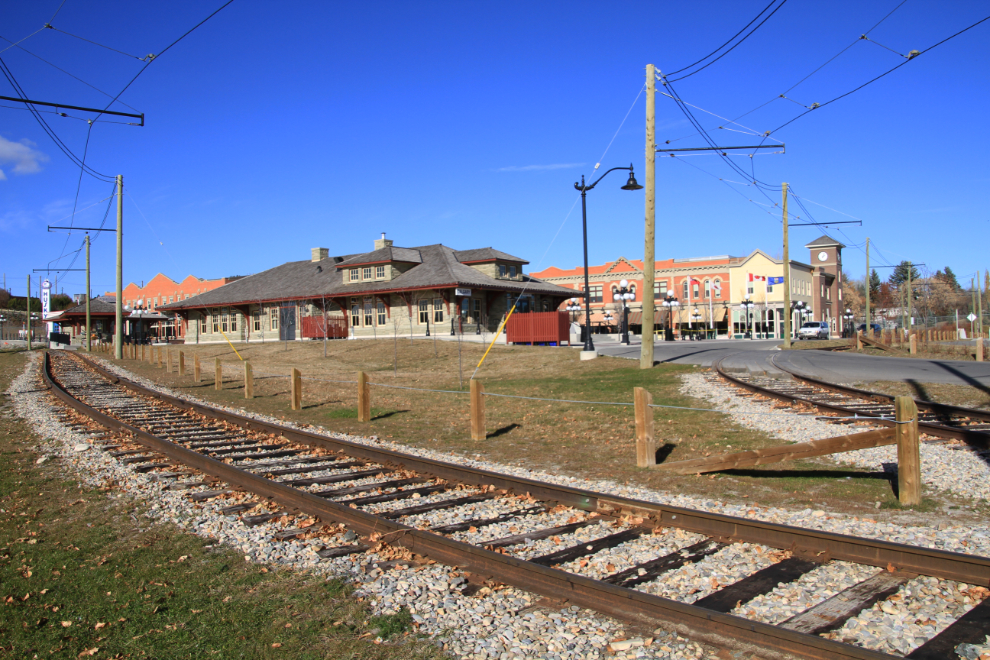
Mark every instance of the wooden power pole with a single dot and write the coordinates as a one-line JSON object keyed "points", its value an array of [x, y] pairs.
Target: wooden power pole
{"points": [[649, 248], [89, 330], [119, 333], [869, 282], [787, 277], [28, 307]]}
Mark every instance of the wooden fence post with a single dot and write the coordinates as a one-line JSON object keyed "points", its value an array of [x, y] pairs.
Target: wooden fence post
{"points": [[646, 444], [168, 360], [217, 374], [477, 410], [142, 353], [296, 389], [908, 452], [979, 349], [914, 344], [248, 381], [182, 363], [859, 340], [364, 398], [197, 371]]}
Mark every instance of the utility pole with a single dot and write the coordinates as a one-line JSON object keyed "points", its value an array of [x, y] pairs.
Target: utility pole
{"points": [[787, 276], [649, 247], [119, 330], [28, 306], [910, 319], [89, 331], [869, 282]]}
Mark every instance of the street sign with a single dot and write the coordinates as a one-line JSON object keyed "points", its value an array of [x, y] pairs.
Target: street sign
{"points": [[971, 317], [462, 292]]}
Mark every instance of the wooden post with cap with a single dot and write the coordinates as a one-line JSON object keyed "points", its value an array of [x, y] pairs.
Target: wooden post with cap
{"points": [[364, 397], [908, 451], [296, 389]]}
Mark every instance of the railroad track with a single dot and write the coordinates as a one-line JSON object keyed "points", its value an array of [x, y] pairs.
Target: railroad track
{"points": [[940, 420], [371, 497]]}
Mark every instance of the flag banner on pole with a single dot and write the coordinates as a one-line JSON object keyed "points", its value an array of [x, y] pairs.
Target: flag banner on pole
{"points": [[694, 281], [757, 278], [775, 280]]}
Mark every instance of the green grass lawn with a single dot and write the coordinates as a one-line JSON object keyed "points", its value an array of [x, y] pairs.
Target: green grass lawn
{"points": [[83, 575]]}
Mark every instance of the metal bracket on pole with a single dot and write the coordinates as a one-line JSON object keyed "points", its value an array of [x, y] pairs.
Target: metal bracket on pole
{"points": [[77, 107]]}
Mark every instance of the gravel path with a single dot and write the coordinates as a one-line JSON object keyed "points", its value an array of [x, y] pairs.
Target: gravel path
{"points": [[953, 469], [507, 623]]}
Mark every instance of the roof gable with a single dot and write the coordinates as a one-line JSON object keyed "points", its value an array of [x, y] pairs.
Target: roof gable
{"points": [[824, 241], [480, 255], [384, 255]]}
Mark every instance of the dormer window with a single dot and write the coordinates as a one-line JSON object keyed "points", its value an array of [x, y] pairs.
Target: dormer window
{"points": [[512, 271], [367, 273], [379, 272], [355, 275], [501, 270]]}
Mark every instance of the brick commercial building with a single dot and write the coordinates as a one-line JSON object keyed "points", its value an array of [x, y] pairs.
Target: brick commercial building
{"points": [[389, 289], [709, 291], [162, 290]]}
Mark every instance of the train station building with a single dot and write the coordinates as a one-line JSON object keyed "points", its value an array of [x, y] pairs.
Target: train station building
{"points": [[386, 290]]}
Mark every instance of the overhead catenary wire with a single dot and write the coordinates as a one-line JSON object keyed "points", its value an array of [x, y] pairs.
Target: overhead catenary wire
{"points": [[734, 46], [914, 54], [71, 75], [95, 43]]}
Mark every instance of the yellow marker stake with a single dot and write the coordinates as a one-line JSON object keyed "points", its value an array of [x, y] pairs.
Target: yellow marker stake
{"points": [[497, 333], [232, 346]]}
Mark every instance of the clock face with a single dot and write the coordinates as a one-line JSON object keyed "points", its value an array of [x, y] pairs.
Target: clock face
{"points": [[823, 256]]}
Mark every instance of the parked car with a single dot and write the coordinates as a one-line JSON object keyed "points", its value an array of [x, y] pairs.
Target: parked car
{"points": [[875, 327], [814, 330]]}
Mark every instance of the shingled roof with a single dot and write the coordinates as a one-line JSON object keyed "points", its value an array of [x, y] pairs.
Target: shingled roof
{"points": [[824, 241], [485, 254], [299, 280], [384, 255]]}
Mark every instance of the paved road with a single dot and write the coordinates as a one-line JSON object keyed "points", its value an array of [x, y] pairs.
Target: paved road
{"points": [[756, 355]]}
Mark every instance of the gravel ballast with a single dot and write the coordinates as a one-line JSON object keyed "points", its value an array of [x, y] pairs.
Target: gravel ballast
{"points": [[507, 622]]}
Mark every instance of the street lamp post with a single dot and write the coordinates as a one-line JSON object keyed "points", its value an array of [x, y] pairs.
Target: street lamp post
{"points": [[572, 307], [801, 308], [746, 305], [588, 352], [850, 329], [623, 295], [696, 317], [3, 321], [671, 303]]}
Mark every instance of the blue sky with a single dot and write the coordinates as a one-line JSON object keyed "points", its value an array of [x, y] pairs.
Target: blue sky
{"points": [[275, 128]]}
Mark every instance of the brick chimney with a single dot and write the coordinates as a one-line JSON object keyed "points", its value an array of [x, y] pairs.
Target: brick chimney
{"points": [[319, 254], [382, 242]]}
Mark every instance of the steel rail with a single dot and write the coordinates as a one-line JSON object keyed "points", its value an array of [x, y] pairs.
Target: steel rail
{"points": [[977, 438], [623, 603], [971, 569], [931, 406]]}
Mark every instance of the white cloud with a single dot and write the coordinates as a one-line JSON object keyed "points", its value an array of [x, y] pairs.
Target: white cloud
{"points": [[3, 177], [25, 158], [536, 168]]}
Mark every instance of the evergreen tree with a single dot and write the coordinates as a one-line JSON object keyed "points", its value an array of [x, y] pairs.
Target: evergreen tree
{"points": [[874, 284], [900, 274], [950, 279]]}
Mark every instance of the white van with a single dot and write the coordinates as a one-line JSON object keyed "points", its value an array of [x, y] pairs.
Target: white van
{"points": [[814, 330]]}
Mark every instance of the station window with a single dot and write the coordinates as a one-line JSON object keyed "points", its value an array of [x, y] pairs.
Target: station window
{"points": [[257, 321], [216, 323], [512, 271], [355, 275], [368, 312], [366, 274], [379, 272], [273, 318], [355, 315], [501, 270], [381, 313], [202, 323], [424, 311], [438, 310]]}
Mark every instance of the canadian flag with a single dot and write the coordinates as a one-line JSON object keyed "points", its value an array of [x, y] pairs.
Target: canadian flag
{"points": [[757, 278], [694, 281]]}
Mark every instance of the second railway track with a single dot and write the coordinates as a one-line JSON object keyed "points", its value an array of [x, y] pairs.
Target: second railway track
{"points": [[940, 420], [378, 498]]}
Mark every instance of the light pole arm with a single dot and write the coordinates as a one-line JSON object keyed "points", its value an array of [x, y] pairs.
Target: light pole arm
{"points": [[583, 188]]}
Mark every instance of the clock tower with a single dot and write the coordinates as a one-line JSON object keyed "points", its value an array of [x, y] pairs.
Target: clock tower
{"points": [[826, 269]]}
